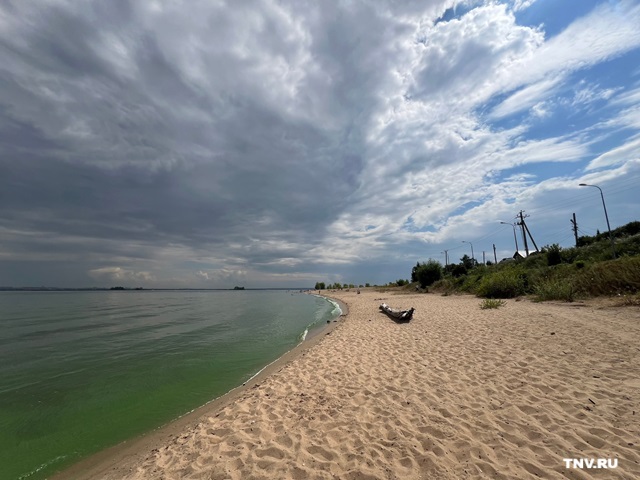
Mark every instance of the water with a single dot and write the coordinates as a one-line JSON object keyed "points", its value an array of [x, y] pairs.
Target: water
{"points": [[80, 371]]}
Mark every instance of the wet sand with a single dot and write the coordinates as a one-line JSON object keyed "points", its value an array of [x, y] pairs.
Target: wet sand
{"points": [[458, 392]]}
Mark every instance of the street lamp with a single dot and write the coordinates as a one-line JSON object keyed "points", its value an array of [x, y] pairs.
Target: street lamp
{"points": [[515, 238], [613, 248], [472, 256]]}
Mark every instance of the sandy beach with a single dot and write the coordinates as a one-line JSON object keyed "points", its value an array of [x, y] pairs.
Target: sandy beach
{"points": [[459, 392]]}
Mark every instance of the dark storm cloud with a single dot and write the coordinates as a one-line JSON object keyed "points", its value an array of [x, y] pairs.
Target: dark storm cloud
{"points": [[107, 136]]}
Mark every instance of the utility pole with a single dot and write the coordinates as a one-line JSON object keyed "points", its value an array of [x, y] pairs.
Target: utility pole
{"points": [[495, 258], [525, 232], [446, 257], [484, 261], [530, 236], [575, 228], [524, 235], [606, 216]]}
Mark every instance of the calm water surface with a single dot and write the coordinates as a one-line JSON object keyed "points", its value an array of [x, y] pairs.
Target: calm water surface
{"points": [[80, 371]]}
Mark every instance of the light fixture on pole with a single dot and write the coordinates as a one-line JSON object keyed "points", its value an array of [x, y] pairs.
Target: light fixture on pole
{"points": [[515, 237], [472, 256], [613, 248]]}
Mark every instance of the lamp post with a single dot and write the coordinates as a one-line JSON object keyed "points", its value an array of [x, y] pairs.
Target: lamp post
{"points": [[613, 248], [515, 237], [472, 257]]}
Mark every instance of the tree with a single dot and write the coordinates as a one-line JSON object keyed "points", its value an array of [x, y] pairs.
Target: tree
{"points": [[428, 273], [320, 286], [468, 262]]}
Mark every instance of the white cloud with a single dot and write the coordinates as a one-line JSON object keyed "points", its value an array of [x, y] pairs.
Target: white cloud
{"points": [[527, 97], [522, 4], [608, 31], [629, 151]]}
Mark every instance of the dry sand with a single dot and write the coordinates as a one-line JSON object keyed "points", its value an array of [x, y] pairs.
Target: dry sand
{"points": [[457, 393]]}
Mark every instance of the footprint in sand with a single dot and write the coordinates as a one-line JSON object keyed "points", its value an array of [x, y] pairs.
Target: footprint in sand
{"points": [[321, 453], [272, 452]]}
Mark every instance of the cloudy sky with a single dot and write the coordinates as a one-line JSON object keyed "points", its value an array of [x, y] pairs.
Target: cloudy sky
{"points": [[213, 143]]}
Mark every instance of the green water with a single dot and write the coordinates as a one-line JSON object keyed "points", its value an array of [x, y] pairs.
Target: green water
{"points": [[81, 371]]}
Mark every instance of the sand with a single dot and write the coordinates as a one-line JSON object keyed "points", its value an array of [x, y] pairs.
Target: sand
{"points": [[457, 393]]}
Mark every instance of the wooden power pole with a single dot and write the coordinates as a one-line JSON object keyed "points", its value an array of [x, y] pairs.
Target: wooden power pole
{"points": [[574, 227]]}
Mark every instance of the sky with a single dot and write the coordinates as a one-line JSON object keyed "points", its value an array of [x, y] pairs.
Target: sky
{"points": [[208, 144]]}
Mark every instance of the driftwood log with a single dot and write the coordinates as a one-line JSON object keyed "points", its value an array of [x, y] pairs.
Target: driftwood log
{"points": [[396, 314]]}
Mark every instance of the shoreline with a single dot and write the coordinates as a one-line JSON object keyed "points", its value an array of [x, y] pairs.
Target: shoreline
{"points": [[101, 462], [457, 392]]}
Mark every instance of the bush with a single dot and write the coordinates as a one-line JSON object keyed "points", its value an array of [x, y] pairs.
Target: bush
{"points": [[502, 284], [553, 255], [458, 270], [428, 273]]}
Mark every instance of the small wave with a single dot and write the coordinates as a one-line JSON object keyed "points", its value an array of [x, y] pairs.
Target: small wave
{"points": [[337, 311], [42, 467]]}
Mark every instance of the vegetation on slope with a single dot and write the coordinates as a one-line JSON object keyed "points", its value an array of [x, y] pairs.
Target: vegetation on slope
{"points": [[554, 273]]}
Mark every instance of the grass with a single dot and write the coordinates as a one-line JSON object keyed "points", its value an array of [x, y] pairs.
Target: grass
{"points": [[554, 289], [489, 303], [613, 277], [629, 300]]}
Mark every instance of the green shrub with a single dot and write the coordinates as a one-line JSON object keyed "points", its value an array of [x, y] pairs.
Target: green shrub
{"points": [[553, 255], [491, 303], [580, 264], [555, 289], [428, 273], [501, 284], [458, 270]]}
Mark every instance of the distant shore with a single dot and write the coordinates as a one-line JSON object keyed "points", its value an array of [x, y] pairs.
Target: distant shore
{"points": [[132, 289], [458, 392]]}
